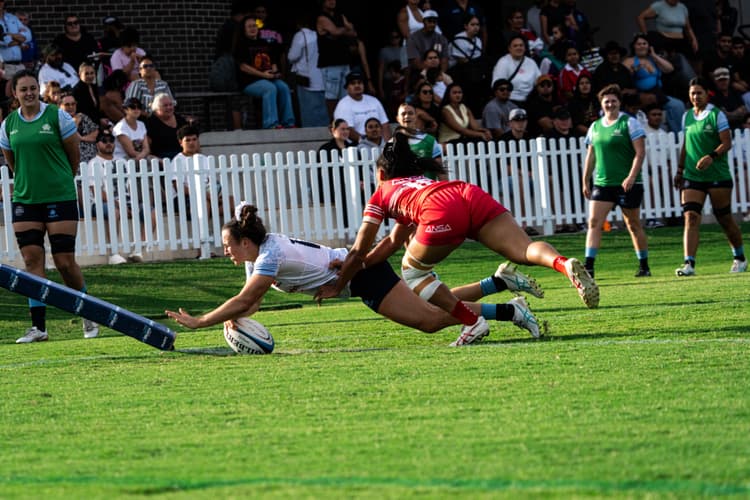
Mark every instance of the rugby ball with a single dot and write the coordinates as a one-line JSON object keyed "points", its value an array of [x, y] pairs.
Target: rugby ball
{"points": [[248, 337]]}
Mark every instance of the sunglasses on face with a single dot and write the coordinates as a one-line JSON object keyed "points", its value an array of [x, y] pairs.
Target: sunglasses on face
{"points": [[426, 92], [133, 106]]}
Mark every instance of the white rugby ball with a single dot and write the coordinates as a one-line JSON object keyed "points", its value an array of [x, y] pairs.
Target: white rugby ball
{"points": [[249, 337]]}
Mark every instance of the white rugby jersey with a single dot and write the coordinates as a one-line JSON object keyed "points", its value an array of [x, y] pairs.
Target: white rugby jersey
{"points": [[297, 265]]}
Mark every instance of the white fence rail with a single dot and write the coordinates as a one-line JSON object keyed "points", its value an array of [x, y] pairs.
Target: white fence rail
{"points": [[167, 208]]}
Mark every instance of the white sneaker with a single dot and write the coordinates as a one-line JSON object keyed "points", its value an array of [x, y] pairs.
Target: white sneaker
{"points": [[90, 329], [686, 270], [33, 334], [587, 288], [739, 266], [117, 259], [472, 333], [523, 318], [135, 257], [517, 281]]}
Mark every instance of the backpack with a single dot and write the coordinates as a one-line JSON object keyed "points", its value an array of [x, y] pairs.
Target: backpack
{"points": [[222, 76]]}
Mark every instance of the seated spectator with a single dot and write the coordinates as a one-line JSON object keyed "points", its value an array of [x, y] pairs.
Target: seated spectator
{"points": [[740, 65], [423, 145], [148, 85], [87, 129], [562, 125], [77, 46], [132, 141], [612, 71], [110, 40], [111, 101], [410, 18], [126, 57], [727, 99], [717, 56], [518, 69], [356, 107], [654, 119], [518, 120], [453, 17], [392, 53], [552, 14], [432, 72], [86, 93], [423, 40], [584, 106], [52, 93], [428, 112], [516, 24], [495, 116], [647, 67], [55, 69], [259, 76], [467, 64], [541, 105], [162, 127], [459, 125], [553, 57], [340, 138], [373, 136], [570, 73], [396, 88]]}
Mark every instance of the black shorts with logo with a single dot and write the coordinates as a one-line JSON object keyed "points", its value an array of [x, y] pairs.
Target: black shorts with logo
{"points": [[705, 186], [57, 211], [618, 196]]}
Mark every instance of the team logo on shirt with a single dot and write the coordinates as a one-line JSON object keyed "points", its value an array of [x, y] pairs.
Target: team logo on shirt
{"points": [[617, 133], [708, 128], [438, 228], [46, 129]]}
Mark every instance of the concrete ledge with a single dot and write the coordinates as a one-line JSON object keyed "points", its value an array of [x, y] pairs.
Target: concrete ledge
{"points": [[264, 141]]}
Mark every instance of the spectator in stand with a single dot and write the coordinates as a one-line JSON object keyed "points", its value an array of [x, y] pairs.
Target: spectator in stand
{"points": [[423, 40], [496, 113], [87, 129], [647, 67], [578, 26], [162, 127], [110, 40], [393, 52], [533, 18], [231, 27], [672, 24], [29, 49], [428, 112], [459, 125], [584, 106], [397, 88], [517, 131], [570, 73], [727, 99], [12, 38], [611, 71], [340, 138], [303, 54], [654, 119], [552, 14], [516, 24], [454, 15], [422, 144], [111, 101], [76, 44], [726, 16], [718, 57], [434, 74], [541, 105], [740, 65], [132, 141], [468, 65], [553, 57], [148, 85], [267, 32], [55, 69], [410, 17], [259, 76], [129, 54], [518, 69], [373, 137], [335, 35], [356, 107], [86, 93], [562, 125], [52, 93]]}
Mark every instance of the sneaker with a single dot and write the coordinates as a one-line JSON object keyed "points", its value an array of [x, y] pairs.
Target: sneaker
{"points": [[739, 266], [117, 259], [90, 329], [516, 281], [472, 333], [33, 334], [587, 288], [135, 257], [643, 273], [685, 270], [523, 318]]}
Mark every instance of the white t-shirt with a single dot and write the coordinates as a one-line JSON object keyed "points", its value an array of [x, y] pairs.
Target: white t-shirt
{"points": [[523, 81], [180, 162], [298, 266], [356, 113], [137, 136]]}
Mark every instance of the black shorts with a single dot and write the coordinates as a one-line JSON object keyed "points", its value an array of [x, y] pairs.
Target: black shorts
{"points": [[45, 212], [373, 284], [618, 196], [705, 186]]}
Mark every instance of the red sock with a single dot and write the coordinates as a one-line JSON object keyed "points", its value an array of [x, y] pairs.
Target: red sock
{"points": [[464, 314], [559, 264]]}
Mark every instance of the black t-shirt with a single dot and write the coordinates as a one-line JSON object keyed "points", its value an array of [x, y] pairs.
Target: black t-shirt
{"points": [[256, 53], [76, 52], [606, 74], [164, 143], [508, 136], [538, 108]]}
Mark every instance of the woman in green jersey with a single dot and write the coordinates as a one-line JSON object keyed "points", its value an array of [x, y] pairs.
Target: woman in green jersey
{"points": [[40, 144], [703, 171], [616, 148]]}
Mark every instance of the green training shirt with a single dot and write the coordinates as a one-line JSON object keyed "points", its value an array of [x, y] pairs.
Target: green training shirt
{"points": [[613, 149], [702, 137]]}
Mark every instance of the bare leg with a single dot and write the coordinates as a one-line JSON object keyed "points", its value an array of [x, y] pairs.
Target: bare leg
{"points": [[65, 262], [632, 218], [722, 198], [598, 211], [691, 235]]}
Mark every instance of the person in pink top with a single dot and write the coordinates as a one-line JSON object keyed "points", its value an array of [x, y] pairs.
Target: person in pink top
{"points": [[129, 55], [445, 213]]}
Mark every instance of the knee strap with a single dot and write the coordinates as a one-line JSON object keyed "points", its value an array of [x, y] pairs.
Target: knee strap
{"points": [[33, 237], [415, 277], [692, 206], [62, 243], [721, 212]]}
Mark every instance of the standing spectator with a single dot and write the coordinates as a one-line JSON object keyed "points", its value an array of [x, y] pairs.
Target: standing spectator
{"points": [[162, 127], [570, 73], [584, 106], [86, 93], [541, 106], [231, 28], [87, 129], [702, 17], [616, 149], [703, 171], [44, 192], [727, 17], [672, 24], [428, 112], [393, 52], [110, 41], [132, 142], [14, 35], [496, 113], [611, 71], [55, 69], [458, 124], [259, 76], [77, 45], [454, 16], [727, 99], [29, 48], [518, 69], [303, 54], [533, 17], [148, 85], [129, 54], [467, 63], [267, 32], [423, 40], [356, 107], [552, 14], [410, 18], [335, 35]]}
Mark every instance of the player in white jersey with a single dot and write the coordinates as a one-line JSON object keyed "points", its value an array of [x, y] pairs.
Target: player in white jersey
{"points": [[276, 261]]}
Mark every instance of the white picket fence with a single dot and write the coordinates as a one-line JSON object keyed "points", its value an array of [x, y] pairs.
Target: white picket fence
{"points": [[322, 199]]}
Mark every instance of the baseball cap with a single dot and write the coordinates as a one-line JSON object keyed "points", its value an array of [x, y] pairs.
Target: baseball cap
{"points": [[517, 114], [429, 14], [500, 82], [544, 78], [561, 113], [354, 75], [111, 21], [721, 74]]}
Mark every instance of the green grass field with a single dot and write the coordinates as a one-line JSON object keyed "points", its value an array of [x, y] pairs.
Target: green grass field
{"points": [[646, 396]]}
